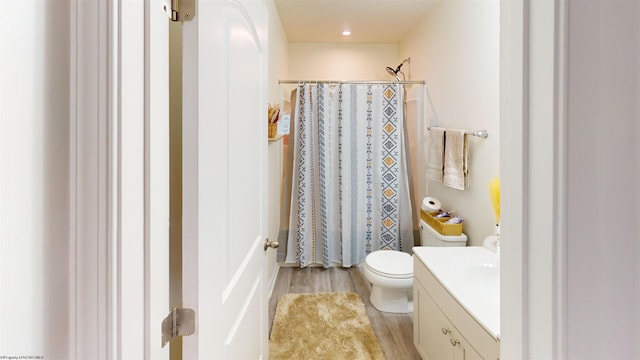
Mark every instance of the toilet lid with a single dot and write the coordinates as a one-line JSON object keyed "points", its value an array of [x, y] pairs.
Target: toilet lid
{"points": [[395, 263]]}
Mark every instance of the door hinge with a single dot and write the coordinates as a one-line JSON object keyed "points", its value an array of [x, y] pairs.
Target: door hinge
{"points": [[179, 322], [180, 10]]}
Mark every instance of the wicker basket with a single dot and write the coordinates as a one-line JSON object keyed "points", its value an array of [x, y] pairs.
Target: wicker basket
{"points": [[273, 130], [439, 224]]}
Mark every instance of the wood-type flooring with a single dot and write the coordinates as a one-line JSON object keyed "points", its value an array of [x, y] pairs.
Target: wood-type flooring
{"points": [[394, 331]]}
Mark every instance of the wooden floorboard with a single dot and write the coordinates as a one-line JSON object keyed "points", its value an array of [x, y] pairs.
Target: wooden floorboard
{"points": [[394, 331]]}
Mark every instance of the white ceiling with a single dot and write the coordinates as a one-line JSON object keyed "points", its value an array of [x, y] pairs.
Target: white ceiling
{"points": [[379, 21]]}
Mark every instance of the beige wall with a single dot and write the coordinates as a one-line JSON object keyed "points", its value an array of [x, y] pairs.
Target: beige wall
{"points": [[341, 61], [456, 51], [278, 52], [277, 68]]}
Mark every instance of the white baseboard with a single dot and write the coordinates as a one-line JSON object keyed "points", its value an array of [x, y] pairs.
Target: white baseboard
{"points": [[272, 282]]}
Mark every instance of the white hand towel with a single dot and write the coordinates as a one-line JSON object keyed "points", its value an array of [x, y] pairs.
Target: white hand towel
{"points": [[435, 161], [455, 159]]}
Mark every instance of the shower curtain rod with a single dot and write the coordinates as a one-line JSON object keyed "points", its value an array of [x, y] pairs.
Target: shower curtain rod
{"points": [[350, 82]]}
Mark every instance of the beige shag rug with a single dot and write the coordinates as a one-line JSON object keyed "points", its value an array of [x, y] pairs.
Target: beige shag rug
{"points": [[322, 326]]}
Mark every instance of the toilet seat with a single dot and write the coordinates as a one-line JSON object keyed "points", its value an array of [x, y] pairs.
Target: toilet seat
{"points": [[390, 264]]}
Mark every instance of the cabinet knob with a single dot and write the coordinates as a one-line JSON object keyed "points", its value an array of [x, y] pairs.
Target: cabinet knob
{"points": [[454, 342], [446, 331]]}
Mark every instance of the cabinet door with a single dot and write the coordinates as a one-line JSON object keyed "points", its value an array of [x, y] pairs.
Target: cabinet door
{"points": [[469, 352], [462, 350], [432, 328]]}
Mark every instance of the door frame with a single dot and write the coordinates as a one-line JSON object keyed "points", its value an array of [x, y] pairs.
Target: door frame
{"points": [[533, 159], [91, 182], [110, 216]]}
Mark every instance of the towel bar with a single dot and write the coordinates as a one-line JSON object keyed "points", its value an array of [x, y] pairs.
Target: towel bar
{"points": [[479, 133]]}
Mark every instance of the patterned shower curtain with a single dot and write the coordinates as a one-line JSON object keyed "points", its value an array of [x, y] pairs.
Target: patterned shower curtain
{"points": [[350, 189]]}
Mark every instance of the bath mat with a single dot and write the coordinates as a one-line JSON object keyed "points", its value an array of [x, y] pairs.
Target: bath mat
{"points": [[322, 326]]}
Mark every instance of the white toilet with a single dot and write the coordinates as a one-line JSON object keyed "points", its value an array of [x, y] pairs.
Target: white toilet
{"points": [[391, 272]]}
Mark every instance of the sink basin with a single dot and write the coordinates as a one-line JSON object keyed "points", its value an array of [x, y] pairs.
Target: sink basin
{"points": [[472, 275], [482, 268], [485, 272], [480, 260], [485, 278]]}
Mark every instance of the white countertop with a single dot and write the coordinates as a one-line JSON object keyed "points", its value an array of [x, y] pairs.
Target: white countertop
{"points": [[471, 275]]}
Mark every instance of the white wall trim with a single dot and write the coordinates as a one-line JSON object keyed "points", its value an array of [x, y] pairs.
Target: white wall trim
{"points": [[73, 189], [114, 176], [157, 176], [89, 186], [533, 163], [105, 286], [513, 165], [272, 281], [132, 180], [560, 259], [146, 344]]}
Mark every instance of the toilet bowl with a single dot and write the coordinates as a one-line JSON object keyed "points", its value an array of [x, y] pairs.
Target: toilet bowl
{"points": [[391, 272], [391, 276]]}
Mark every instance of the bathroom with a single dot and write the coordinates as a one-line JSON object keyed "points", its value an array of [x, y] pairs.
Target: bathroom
{"points": [[461, 72]]}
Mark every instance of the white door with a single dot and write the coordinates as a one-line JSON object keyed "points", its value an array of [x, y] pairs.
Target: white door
{"points": [[224, 179]]}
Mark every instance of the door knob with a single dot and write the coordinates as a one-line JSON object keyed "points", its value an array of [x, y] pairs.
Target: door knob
{"points": [[270, 244]]}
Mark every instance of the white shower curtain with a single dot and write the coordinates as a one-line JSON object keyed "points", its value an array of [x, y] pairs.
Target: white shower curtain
{"points": [[350, 191]]}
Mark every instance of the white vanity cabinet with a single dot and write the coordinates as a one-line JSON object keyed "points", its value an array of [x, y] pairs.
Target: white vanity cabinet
{"points": [[443, 328]]}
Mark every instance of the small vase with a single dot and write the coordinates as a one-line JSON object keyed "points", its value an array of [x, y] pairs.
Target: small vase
{"points": [[273, 130]]}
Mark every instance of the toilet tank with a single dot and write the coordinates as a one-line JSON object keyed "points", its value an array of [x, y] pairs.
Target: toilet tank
{"points": [[430, 237]]}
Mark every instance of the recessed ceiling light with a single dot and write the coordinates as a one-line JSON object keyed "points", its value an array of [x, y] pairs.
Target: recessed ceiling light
{"points": [[346, 33]]}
